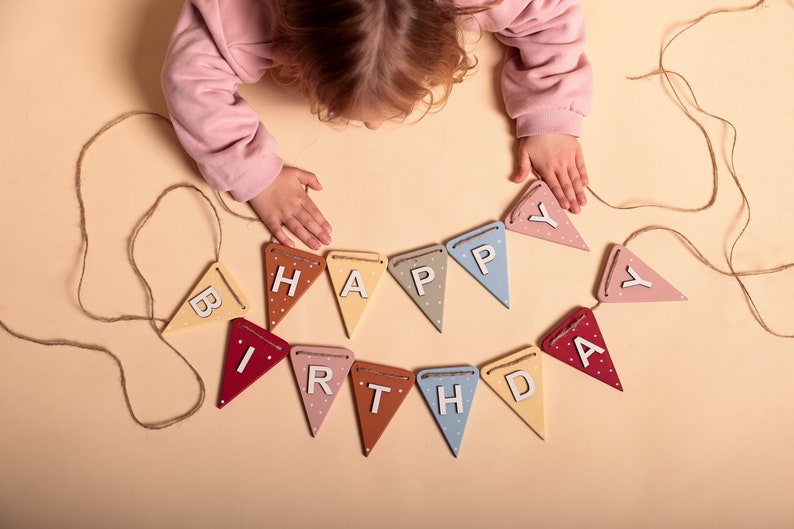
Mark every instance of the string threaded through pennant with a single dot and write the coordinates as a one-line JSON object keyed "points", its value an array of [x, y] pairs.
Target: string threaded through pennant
{"points": [[668, 75]]}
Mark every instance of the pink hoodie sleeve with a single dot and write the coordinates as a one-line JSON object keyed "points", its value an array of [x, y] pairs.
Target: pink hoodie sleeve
{"points": [[547, 81], [213, 51]]}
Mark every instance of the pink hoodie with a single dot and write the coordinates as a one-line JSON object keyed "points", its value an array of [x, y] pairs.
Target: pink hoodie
{"points": [[219, 44]]}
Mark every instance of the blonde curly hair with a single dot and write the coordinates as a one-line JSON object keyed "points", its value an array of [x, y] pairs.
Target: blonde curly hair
{"points": [[383, 56]]}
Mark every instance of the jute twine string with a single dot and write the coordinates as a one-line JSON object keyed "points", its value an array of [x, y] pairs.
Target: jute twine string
{"points": [[150, 316], [669, 77], [662, 71]]}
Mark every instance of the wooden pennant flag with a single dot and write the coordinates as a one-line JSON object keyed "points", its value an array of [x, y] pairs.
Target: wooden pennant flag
{"points": [[538, 214], [483, 253], [379, 391], [579, 343], [251, 353], [216, 297], [320, 373], [288, 275], [449, 391], [628, 279], [355, 275], [518, 379], [422, 274]]}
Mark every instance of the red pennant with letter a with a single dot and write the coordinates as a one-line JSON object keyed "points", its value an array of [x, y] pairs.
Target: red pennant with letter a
{"points": [[251, 353], [380, 391], [288, 275], [579, 343], [628, 279]]}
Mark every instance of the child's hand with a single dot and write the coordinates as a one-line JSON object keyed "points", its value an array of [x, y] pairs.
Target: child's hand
{"points": [[286, 204], [558, 160]]}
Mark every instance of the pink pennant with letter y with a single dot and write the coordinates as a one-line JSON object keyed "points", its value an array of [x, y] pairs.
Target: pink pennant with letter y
{"points": [[628, 279], [538, 214]]}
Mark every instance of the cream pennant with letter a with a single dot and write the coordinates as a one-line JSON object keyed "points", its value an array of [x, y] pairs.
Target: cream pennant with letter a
{"points": [[216, 297], [355, 275]]}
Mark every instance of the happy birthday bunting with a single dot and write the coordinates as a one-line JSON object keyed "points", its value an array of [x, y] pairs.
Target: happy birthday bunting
{"points": [[483, 253], [518, 379], [320, 373], [379, 391], [251, 353], [538, 214], [288, 275], [627, 278], [355, 276], [216, 297], [579, 343], [422, 274], [449, 392]]}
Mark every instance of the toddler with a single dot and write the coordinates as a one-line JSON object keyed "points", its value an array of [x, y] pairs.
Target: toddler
{"points": [[368, 61]]}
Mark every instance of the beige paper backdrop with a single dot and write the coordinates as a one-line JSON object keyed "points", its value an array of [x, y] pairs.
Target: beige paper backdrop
{"points": [[701, 437]]}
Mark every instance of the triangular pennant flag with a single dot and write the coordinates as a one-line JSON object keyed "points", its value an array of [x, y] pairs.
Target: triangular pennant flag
{"points": [[251, 353], [518, 379], [538, 214], [379, 391], [320, 373], [449, 391], [422, 274], [288, 275], [628, 279], [216, 297], [483, 253], [579, 343], [354, 276]]}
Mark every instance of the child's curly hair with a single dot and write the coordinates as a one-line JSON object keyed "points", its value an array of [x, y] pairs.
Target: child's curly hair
{"points": [[380, 55]]}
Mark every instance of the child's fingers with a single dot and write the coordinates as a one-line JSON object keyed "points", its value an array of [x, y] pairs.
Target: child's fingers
{"points": [[578, 187], [523, 164], [278, 233], [295, 226], [314, 227], [569, 190], [580, 166], [309, 179], [556, 188]]}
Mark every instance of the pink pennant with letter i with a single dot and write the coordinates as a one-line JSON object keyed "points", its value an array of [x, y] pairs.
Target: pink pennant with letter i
{"points": [[628, 279], [579, 343], [251, 353], [320, 373], [538, 214]]}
